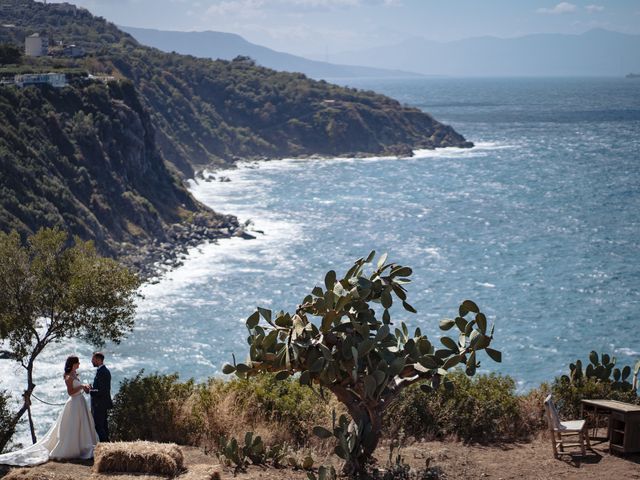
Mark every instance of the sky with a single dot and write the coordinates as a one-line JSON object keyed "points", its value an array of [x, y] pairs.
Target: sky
{"points": [[321, 27]]}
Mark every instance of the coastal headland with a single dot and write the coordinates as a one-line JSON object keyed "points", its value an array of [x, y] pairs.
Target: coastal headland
{"points": [[106, 155]]}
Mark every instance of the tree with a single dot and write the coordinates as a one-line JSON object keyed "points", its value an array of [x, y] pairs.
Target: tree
{"points": [[50, 291], [355, 355], [9, 54]]}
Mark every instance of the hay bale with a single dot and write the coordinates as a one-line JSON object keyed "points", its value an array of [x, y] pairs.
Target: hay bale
{"points": [[138, 457], [30, 474], [202, 472]]}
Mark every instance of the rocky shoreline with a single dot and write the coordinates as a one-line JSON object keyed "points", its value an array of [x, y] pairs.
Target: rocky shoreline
{"points": [[153, 258]]}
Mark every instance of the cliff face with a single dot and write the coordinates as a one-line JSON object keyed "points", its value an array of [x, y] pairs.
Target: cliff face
{"points": [[85, 157]]}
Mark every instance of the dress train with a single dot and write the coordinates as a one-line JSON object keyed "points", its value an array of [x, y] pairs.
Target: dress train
{"points": [[72, 436]]}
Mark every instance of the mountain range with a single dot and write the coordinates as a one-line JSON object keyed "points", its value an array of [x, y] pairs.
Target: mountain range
{"points": [[597, 52], [594, 53], [227, 46]]}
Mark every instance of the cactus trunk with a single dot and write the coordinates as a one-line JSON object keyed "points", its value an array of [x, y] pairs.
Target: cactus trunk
{"points": [[367, 417], [371, 418]]}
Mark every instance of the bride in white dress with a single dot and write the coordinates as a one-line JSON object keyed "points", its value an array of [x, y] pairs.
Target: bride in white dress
{"points": [[73, 436]]}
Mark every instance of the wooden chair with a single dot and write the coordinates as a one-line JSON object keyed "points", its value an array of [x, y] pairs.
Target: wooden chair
{"points": [[560, 429]]}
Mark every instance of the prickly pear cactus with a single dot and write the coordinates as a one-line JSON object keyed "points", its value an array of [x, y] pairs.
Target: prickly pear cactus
{"points": [[601, 368], [363, 359]]}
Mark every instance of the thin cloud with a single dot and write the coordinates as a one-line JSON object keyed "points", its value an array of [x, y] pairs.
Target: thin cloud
{"points": [[559, 9], [244, 8], [321, 3], [248, 8], [594, 8]]}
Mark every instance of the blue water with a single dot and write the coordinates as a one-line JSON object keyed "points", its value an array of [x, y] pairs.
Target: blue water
{"points": [[539, 224]]}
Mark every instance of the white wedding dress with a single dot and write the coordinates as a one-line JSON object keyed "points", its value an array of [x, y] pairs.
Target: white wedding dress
{"points": [[73, 436]]}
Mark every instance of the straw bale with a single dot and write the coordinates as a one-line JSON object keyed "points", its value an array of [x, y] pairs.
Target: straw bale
{"points": [[202, 472], [138, 457], [30, 474]]}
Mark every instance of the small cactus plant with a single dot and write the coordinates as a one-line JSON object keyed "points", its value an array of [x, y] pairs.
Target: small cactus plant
{"points": [[356, 355], [231, 452], [324, 473]]}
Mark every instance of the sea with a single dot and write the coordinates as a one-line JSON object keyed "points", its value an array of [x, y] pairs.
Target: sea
{"points": [[539, 224]]}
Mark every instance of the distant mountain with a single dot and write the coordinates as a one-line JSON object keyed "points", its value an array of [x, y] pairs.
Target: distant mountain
{"points": [[227, 46], [594, 53]]}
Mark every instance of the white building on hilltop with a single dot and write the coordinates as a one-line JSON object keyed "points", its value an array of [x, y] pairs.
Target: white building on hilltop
{"points": [[36, 45]]}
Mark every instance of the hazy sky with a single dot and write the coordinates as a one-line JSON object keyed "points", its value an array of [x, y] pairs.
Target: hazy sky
{"points": [[328, 26]]}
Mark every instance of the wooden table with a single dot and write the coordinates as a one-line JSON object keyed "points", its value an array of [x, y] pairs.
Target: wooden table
{"points": [[623, 432]]}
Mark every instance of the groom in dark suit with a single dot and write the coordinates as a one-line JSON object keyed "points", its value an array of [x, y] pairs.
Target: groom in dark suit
{"points": [[101, 396]]}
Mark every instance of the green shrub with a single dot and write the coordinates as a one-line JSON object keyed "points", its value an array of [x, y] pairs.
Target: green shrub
{"points": [[482, 408], [161, 408], [600, 379], [148, 407], [9, 54], [567, 395]]}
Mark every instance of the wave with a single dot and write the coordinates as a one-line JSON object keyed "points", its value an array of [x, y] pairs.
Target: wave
{"points": [[237, 174]]}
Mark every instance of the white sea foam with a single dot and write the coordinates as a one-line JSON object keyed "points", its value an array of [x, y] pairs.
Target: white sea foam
{"points": [[627, 351], [479, 149], [237, 174]]}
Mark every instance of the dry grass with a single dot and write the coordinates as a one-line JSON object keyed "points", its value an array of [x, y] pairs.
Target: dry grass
{"points": [[202, 472], [232, 413], [138, 457], [29, 474], [532, 413]]}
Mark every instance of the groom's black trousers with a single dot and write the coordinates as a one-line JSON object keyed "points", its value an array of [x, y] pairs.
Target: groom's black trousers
{"points": [[102, 426]]}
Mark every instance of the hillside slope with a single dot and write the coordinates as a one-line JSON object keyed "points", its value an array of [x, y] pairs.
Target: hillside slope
{"points": [[209, 111]]}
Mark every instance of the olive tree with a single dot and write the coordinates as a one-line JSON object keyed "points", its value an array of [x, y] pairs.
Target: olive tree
{"points": [[356, 355], [51, 291]]}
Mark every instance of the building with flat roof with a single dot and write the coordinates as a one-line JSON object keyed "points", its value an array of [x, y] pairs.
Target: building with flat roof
{"points": [[36, 45], [73, 51]]}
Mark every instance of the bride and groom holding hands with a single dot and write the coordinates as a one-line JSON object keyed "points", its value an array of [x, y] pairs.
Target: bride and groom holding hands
{"points": [[78, 428]]}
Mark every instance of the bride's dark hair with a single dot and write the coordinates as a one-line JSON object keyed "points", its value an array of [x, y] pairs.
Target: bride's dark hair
{"points": [[71, 361]]}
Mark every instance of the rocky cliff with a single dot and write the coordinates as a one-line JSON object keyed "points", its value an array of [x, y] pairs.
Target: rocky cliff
{"points": [[85, 157]]}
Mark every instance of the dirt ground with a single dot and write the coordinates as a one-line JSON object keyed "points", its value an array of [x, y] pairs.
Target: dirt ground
{"points": [[447, 460]]}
